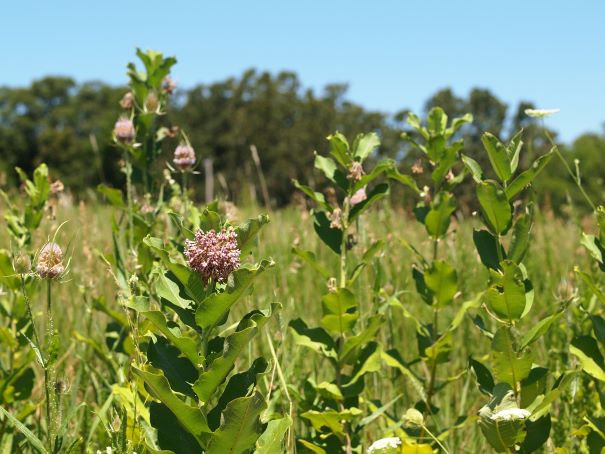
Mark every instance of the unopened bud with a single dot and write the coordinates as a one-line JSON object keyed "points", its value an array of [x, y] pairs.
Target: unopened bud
{"points": [[168, 85], [152, 102], [127, 101], [355, 171], [49, 261], [184, 157], [124, 130], [22, 263]]}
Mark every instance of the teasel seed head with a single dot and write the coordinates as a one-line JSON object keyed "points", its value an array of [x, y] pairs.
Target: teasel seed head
{"points": [[124, 130], [49, 261]]}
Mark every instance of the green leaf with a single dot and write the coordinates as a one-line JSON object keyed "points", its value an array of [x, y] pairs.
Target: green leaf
{"points": [[272, 439], [191, 418], [437, 219], [525, 178], [484, 378], [179, 371], [331, 237], [339, 309], [364, 144], [339, 149], [514, 150], [329, 390], [405, 180], [437, 121], [248, 231], [506, 297], [474, 168], [113, 196], [369, 360], [241, 426], [311, 259], [354, 343], [331, 419], [33, 440], [377, 193], [533, 386], [170, 434], [520, 240], [169, 290], [496, 210], [317, 197], [441, 279], [509, 366], [213, 308], [598, 326], [498, 156], [187, 346], [539, 329], [591, 243], [317, 339], [585, 348], [487, 246], [216, 372]]}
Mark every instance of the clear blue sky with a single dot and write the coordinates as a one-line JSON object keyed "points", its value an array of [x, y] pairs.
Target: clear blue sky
{"points": [[394, 54]]}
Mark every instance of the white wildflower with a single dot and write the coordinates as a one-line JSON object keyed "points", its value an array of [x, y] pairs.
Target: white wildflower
{"points": [[541, 113], [383, 444], [510, 414]]}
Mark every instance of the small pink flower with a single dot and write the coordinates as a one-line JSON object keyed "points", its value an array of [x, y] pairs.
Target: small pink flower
{"points": [[213, 255], [359, 197], [169, 85], [355, 171], [184, 157]]}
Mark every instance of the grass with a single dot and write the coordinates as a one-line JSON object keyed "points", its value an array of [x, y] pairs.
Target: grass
{"points": [[89, 378]]}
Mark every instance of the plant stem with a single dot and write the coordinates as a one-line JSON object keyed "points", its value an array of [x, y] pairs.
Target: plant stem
{"points": [[185, 193], [129, 199], [49, 371]]}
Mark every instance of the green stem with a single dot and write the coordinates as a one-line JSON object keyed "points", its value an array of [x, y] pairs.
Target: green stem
{"points": [[574, 176], [436, 439], [31, 316], [185, 193], [129, 200], [49, 372]]}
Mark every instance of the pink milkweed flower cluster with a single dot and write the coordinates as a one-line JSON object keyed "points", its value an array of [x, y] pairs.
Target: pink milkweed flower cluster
{"points": [[213, 255], [184, 157], [359, 196]]}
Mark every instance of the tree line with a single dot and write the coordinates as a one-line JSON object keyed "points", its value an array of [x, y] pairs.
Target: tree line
{"points": [[69, 126]]}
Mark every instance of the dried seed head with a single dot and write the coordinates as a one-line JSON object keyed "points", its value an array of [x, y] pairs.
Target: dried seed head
{"points": [[359, 197], [213, 255], [184, 157], [127, 101], [22, 263], [168, 85], [124, 130], [49, 261], [355, 171]]}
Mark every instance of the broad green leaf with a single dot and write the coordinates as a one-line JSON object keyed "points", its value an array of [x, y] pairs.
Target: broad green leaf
{"points": [[496, 210], [213, 308], [247, 232], [364, 144], [437, 219], [591, 243], [272, 439], [329, 390], [169, 290], [216, 372], [317, 197], [187, 346], [514, 150], [441, 279], [241, 426], [339, 309], [585, 348], [520, 240], [316, 339], [484, 378], [474, 168], [487, 246], [506, 297], [525, 178], [509, 366], [331, 171], [385, 165], [533, 386], [498, 156], [239, 385], [537, 434], [457, 123], [191, 418], [404, 179], [331, 237], [437, 121], [179, 371], [171, 436], [331, 419], [339, 149], [539, 329], [354, 343], [598, 327], [369, 360]]}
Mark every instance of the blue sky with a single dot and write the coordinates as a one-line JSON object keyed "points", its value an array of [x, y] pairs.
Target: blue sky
{"points": [[393, 54]]}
